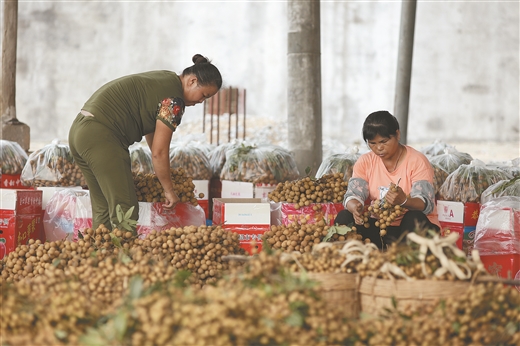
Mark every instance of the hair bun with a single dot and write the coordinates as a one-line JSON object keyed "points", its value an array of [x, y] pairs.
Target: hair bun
{"points": [[199, 59]]}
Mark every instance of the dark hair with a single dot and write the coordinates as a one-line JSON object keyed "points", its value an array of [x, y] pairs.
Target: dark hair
{"points": [[205, 71], [380, 123]]}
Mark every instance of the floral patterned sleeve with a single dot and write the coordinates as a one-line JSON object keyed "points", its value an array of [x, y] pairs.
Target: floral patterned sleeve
{"points": [[170, 111], [424, 190], [357, 189]]}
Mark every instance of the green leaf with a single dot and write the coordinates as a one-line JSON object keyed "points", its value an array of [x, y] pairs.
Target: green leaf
{"points": [[60, 334], [92, 338], [120, 213], [295, 319], [129, 212], [339, 229], [136, 287], [115, 240], [120, 323]]}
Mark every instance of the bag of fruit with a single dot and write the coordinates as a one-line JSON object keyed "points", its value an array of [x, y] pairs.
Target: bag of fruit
{"points": [[262, 164], [468, 182], [52, 165], [217, 156], [191, 158], [436, 148], [446, 163], [339, 163], [141, 157], [502, 188], [12, 157], [512, 167]]}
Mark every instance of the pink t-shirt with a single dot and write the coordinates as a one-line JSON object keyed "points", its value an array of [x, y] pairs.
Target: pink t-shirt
{"points": [[414, 168]]}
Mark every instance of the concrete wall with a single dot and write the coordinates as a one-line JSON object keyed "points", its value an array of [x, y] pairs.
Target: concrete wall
{"points": [[465, 83]]}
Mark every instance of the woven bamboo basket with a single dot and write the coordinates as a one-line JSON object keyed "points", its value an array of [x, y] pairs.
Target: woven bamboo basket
{"points": [[376, 295], [339, 290]]}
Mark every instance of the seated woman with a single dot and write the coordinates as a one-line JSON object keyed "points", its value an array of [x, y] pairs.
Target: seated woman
{"points": [[389, 164]]}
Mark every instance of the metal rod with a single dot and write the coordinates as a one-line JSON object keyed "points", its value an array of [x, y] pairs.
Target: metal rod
{"points": [[229, 114]]}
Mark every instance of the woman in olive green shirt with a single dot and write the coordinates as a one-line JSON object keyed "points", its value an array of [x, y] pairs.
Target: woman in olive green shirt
{"points": [[120, 113]]}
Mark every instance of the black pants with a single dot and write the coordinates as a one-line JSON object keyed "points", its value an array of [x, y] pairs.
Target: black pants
{"points": [[412, 220]]}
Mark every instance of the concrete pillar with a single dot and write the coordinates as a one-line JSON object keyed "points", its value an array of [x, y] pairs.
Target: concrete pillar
{"points": [[304, 85], [404, 66], [12, 129]]}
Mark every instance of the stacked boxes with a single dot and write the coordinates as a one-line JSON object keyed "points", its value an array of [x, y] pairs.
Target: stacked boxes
{"points": [[249, 217], [20, 218], [461, 218]]}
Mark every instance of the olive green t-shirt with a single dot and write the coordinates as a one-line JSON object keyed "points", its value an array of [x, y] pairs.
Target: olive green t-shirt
{"points": [[131, 105]]}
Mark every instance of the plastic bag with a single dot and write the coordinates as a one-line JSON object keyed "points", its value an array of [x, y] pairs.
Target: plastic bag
{"points": [[152, 216], [141, 157], [436, 148], [264, 164], [12, 157], [498, 227], [52, 165], [339, 163], [502, 188], [190, 158], [217, 156], [447, 163], [468, 182], [512, 167], [67, 212]]}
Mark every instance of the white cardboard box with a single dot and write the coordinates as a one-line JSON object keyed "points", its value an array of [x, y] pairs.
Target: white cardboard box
{"points": [[241, 211], [201, 186], [237, 189]]}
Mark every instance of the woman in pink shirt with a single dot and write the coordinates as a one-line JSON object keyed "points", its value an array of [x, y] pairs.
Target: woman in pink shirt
{"points": [[389, 162]]}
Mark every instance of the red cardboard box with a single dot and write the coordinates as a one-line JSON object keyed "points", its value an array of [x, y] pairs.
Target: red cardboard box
{"points": [[12, 181], [249, 217], [20, 218], [285, 213], [460, 218], [504, 266]]}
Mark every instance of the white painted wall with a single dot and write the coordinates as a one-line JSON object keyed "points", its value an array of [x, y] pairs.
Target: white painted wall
{"points": [[465, 83]]}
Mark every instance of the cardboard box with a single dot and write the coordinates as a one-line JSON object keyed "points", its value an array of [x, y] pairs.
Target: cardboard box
{"points": [[283, 213], [458, 217], [12, 181], [215, 191], [20, 218], [237, 189], [263, 190], [504, 266], [249, 217]]}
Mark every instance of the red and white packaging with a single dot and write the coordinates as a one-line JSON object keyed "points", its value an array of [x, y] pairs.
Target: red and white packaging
{"points": [[12, 181], [20, 218], [152, 216], [249, 217], [237, 189], [283, 213], [66, 212], [460, 218], [202, 187], [497, 236]]}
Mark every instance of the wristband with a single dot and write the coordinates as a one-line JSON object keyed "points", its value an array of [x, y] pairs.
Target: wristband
{"points": [[406, 200]]}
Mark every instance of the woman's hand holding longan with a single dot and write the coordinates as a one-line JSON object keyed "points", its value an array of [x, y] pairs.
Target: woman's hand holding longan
{"points": [[395, 196], [356, 209]]}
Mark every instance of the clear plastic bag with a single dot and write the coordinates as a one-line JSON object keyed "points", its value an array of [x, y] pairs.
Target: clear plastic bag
{"points": [[217, 156], [264, 164], [502, 188], [512, 167], [436, 148], [141, 158], [52, 165], [468, 182], [498, 227], [67, 212], [12, 157], [192, 159], [447, 163], [339, 163]]}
